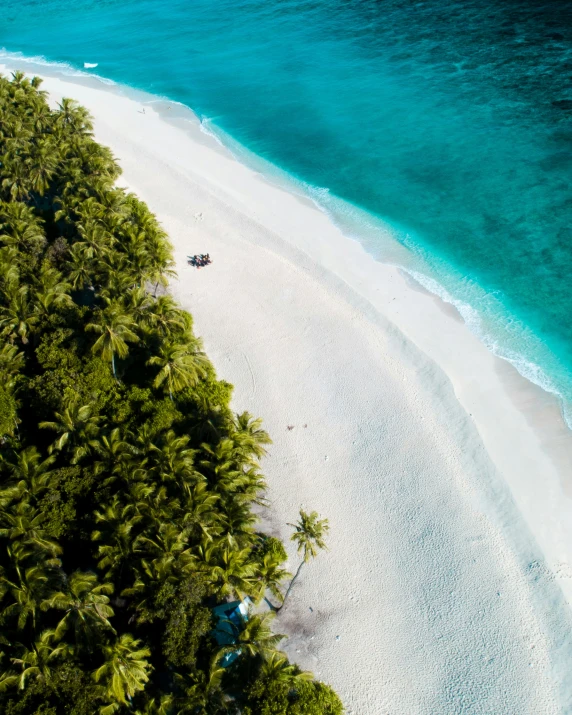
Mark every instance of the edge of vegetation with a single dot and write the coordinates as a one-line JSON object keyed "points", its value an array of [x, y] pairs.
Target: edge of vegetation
{"points": [[126, 481]]}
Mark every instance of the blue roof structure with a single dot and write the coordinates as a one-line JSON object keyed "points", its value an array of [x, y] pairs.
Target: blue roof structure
{"points": [[230, 619]]}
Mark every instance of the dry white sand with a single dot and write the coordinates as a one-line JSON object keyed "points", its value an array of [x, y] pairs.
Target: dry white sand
{"points": [[444, 474]]}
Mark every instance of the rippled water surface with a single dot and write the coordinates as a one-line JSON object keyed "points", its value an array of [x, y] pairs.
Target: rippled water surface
{"points": [[451, 120]]}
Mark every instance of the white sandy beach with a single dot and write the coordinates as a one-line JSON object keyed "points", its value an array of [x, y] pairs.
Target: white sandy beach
{"points": [[446, 477]]}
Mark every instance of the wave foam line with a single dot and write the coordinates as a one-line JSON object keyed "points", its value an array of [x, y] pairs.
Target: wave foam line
{"points": [[530, 370], [63, 67]]}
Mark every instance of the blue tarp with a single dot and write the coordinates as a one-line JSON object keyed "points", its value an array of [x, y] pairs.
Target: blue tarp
{"points": [[230, 618]]}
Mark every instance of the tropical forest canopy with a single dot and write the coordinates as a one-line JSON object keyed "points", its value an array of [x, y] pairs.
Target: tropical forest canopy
{"points": [[126, 482]]}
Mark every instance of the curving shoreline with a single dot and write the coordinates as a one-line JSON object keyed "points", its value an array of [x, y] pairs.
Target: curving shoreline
{"points": [[443, 473]]}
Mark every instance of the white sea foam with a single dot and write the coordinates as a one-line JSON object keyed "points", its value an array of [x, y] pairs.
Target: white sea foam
{"points": [[89, 65], [205, 124], [473, 320], [60, 67]]}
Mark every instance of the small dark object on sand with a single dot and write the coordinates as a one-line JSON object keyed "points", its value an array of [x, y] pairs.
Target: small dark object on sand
{"points": [[199, 260]]}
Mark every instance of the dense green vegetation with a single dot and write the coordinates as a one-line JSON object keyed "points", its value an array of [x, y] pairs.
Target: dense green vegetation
{"points": [[126, 482]]}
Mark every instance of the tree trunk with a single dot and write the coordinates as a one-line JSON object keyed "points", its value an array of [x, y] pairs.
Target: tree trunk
{"points": [[271, 606], [290, 586], [113, 365]]}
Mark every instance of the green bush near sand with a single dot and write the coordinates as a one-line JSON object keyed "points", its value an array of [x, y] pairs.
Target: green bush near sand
{"points": [[126, 482]]}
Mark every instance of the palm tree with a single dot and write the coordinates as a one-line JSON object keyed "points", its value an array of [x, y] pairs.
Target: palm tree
{"points": [[30, 476], [173, 460], [26, 590], [272, 574], [309, 535], [11, 362], [248, 435], [231, 571], [18, 318], [238, 520], [166, 317], [168, 545], [200, 516], [73, 117], [254, 638], [79, 267], [277, 668], [114, 326], [116, 532], [42, 165], [26, 524], [21, 228], [16, 180], [86, 606], [203, 694], [113, 452], [75, 425], [161, 706], [124, 672], [51, 291], [181, 365], [138, 304], [95, 240], [36, 662]]}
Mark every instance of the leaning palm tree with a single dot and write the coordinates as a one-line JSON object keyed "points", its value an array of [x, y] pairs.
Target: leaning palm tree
{"points": [[309, 535], [115, 328], [124, 672], [86, 605], [181, 365]]}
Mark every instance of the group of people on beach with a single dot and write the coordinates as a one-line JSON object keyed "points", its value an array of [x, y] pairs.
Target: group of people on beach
{"points": [[199, 260]]}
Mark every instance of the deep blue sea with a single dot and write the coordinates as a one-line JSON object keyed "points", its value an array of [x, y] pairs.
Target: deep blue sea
{"points": [[448, 120]]}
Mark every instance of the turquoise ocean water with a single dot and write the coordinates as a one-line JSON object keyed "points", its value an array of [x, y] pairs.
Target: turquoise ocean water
{"points": [[450, 121]]}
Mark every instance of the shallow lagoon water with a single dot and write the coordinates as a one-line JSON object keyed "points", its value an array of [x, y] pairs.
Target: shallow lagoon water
{"points": [[449, 122]]}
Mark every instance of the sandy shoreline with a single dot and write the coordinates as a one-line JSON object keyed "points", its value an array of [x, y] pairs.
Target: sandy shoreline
{"points": [[445, 475]]}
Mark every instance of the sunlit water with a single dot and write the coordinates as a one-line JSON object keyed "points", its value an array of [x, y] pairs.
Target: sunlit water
{"points": [[451, 121]]}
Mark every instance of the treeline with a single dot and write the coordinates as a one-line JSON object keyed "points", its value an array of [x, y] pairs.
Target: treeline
{"points": [[126, 482]]}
